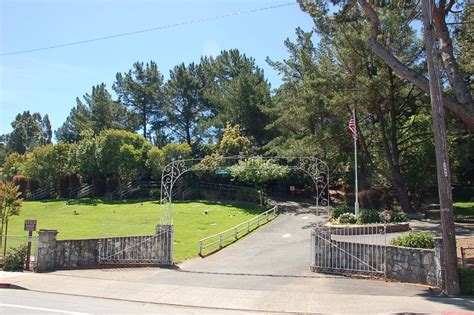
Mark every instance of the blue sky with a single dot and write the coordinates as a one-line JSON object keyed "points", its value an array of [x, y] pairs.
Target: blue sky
{"points": [[49, 81]]}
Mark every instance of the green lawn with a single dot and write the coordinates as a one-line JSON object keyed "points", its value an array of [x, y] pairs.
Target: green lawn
{"points": [[94, 218], [464, 208]]}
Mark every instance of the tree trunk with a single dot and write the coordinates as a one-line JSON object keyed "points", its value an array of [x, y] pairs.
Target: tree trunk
{"points": [[188, 133], [462, 112], [144, 123], [1, 235], [396, 177], [6, 238], [451, 276], [401, 191], [455, 75]]}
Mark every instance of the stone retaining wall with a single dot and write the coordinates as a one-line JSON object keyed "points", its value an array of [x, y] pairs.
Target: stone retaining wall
{"points": [[414, 265], [129, 250], [332, 255], [76, 253]]}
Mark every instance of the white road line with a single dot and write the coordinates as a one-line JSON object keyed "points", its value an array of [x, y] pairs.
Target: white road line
{"points": [[286, 235], [41, 309]]}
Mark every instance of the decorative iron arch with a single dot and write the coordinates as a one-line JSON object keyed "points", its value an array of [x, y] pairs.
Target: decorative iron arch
{"points": [[312, 166]]}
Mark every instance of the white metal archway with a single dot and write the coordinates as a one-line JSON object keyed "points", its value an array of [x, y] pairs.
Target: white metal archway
{"points": [[314, 167]]}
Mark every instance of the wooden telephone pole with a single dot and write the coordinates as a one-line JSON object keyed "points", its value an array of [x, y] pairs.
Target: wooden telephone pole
{"points": [[449, 259]]}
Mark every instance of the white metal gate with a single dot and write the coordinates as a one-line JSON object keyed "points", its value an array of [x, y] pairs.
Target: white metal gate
{"points": [[349, 250], [135, 250]]}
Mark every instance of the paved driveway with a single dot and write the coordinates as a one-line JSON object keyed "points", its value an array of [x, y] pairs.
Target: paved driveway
{"points": [[281, 247]]}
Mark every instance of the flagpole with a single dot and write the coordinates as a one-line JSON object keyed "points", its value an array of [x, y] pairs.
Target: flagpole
{"points": [[356, 203]]}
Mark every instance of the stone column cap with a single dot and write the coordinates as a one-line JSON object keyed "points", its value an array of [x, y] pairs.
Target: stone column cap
{"points": [[48, 231]]}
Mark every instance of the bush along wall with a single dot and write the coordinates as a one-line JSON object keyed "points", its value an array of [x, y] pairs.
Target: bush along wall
{"points": [[466, 277]]}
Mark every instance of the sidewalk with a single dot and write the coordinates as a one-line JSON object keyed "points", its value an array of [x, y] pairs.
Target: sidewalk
{"points": [[118, 285]]}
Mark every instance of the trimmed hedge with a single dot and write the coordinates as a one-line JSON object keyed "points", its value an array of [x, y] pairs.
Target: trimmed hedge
{"points": [[415, 240]]}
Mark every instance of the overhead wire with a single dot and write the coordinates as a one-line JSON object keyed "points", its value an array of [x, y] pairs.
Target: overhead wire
{"points": [[201, 20]]}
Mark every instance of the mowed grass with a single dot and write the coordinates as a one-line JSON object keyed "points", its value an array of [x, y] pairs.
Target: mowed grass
{"points": [[464, 209], [96, 218]]}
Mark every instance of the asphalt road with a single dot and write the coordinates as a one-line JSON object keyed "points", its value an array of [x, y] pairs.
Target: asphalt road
{"points": [[30, 302]]}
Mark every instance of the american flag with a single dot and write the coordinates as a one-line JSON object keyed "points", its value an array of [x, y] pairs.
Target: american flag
{"points": [[353, 128]]}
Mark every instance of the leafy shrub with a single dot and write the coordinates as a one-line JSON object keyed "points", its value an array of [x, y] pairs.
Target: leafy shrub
{"points": [[386, 216], [399, 217], [64, 186], [347, 218], [33, 184], [15, 258], [336, 212], [21, 181], [466, 277], [415, 240], [367, 216]]}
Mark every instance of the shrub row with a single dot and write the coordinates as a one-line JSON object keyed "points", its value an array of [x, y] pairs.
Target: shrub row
{"points": [[415, 240], [366, 216]]}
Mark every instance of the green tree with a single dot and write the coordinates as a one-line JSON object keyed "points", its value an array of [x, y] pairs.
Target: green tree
{"points": [[233, 142], [239, 93], [301, 115], [140, 89], [129, 162], [114, 153], [29, 131], [14, 164], [10, 204], [158, 158], [84, 158], [187, 108], [78, 121], [49, 163], [460, 102], [259, 172], [96, 113]]}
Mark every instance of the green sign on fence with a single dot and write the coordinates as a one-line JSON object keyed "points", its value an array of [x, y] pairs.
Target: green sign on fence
{"points": [[222, 171]]}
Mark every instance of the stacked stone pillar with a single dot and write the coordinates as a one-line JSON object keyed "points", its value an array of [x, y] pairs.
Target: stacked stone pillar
{"points": [[46, 256]]}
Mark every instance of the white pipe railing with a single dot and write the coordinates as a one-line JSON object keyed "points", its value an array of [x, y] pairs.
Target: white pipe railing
{"points": [[234, 232]]}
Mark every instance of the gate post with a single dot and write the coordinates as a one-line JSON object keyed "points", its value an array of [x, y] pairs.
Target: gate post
{"points": [[439, 269], [46, 250], [165, 236], [322, 253]]}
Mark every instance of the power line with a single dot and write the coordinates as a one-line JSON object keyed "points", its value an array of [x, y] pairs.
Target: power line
{"points": [[147, 30]]}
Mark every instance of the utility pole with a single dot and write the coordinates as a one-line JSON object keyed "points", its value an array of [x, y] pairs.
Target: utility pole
{"points": [[449, 259]]}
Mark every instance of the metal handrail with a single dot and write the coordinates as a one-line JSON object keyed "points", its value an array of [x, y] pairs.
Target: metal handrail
{"points": [[236, 229]]}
